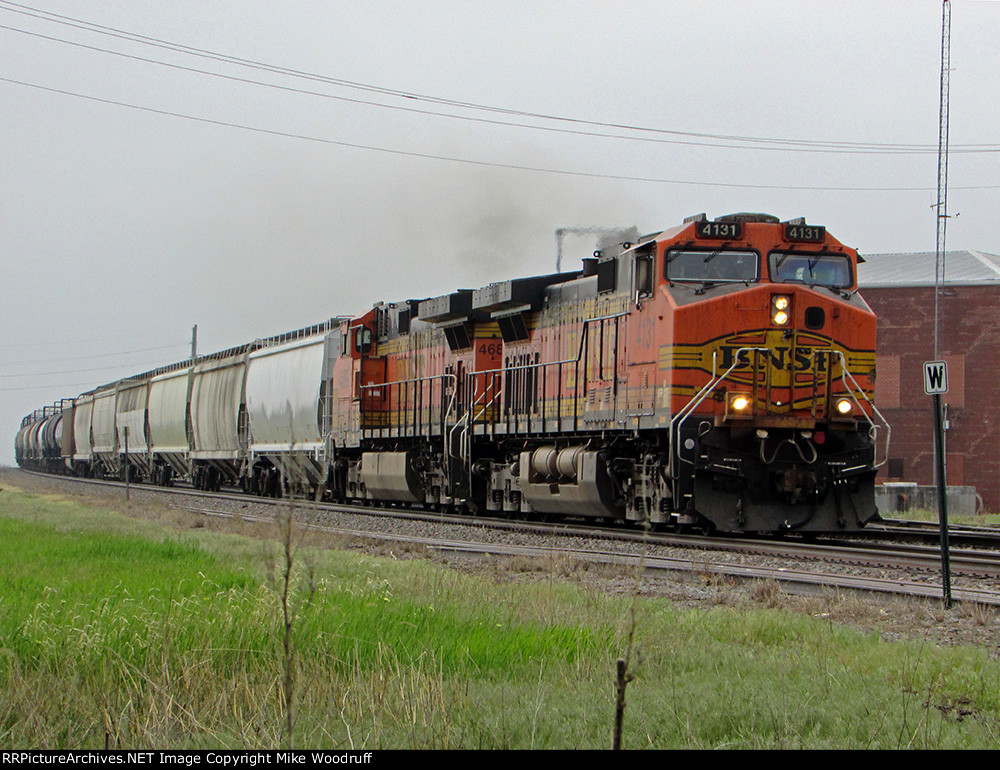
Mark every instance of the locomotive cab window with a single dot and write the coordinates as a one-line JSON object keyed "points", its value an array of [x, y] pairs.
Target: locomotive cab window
{"points": [[643, 276], [719, 266], [362, 339], [832, 270]]}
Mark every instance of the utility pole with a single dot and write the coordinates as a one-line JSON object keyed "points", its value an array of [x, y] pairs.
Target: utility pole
{"points": [[937, 389], [127, 474], [942, 180]]}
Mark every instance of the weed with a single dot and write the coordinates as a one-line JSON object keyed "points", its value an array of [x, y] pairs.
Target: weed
{"points": [[707, 572], [980, 614], [767, 593]]}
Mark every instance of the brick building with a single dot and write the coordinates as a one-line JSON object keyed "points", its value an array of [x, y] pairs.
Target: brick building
{"points": [[900, 289]]}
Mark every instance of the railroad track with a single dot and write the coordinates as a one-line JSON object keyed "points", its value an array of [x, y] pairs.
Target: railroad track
{"points": [[928, 533], [800, 566], [799, 581]]}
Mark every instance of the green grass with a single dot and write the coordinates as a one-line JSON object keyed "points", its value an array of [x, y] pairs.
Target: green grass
{"points": [[122, 632], [979, 520]]}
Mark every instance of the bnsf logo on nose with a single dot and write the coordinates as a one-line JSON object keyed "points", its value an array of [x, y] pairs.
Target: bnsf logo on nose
{"points": [[777, 357]]}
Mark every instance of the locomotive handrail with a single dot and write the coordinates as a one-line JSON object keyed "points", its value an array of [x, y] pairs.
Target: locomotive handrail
{"points": [[492, 385], [852, 387], [873, 430], [576, 359], [700, 396], [540, 365], [429, 378], [464, 422], [469, 420]]}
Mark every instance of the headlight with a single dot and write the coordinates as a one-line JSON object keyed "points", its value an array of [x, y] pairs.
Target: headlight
{"points": [[739, 403], [781, 309], [844, 406]]}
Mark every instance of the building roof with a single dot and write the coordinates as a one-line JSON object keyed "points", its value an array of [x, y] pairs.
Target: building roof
{"points": [[960, 268]]}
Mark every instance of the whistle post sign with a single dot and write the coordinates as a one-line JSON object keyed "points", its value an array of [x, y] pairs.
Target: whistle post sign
{"points": [[936, 385], [935, 378]]}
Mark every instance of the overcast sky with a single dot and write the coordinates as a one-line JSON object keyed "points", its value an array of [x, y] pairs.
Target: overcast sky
{"points": [[372, 151]]}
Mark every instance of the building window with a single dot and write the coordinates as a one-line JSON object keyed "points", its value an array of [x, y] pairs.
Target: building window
{"points": [[887, 382]]}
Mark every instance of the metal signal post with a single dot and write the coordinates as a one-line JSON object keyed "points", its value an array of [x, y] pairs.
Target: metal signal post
{"points": [[936, 383]]}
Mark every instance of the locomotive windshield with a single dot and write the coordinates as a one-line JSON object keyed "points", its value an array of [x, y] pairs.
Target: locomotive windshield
{"points": [[712, 266], [833, 270]]}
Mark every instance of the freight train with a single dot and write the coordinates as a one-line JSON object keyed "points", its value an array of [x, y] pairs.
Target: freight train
{"points": [[717, 375]]}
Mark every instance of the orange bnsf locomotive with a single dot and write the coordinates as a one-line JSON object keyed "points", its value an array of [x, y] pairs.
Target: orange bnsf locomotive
{"points": [[717, 375]]}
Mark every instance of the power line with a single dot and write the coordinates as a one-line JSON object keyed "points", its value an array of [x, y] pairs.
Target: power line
{"points": [[89, 340], [109, 368], [35, 388], [471, 161], [831, 149], [90, 358], [769, 143]]}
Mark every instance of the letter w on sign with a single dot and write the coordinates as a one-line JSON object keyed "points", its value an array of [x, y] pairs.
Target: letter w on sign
{"points": [[935, 377]]}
